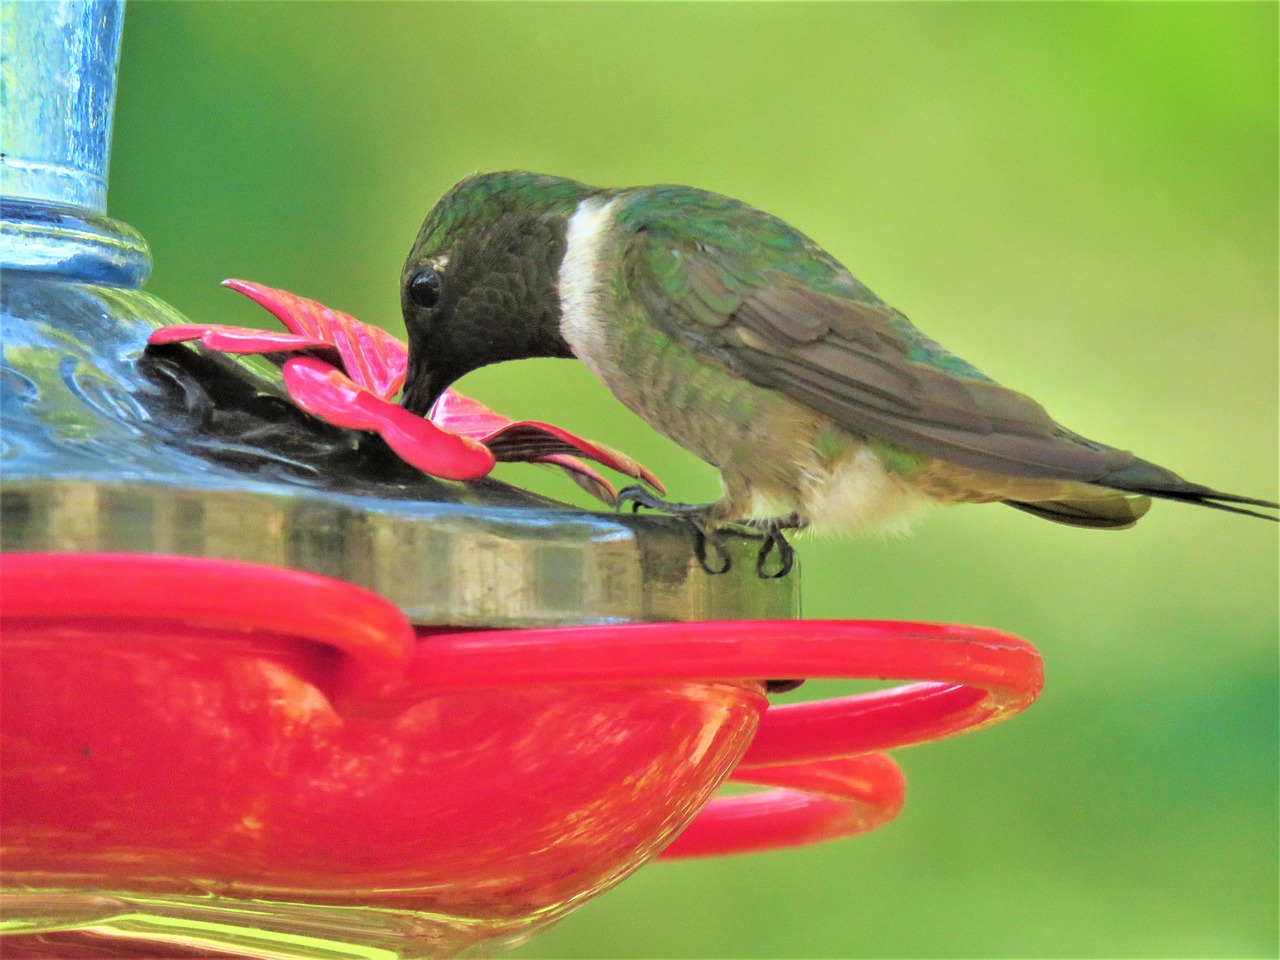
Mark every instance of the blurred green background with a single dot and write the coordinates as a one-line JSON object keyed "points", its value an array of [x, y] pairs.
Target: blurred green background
{"points": [[1080, 199]]}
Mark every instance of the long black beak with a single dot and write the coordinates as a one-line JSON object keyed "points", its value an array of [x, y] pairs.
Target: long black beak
{"points": [[422, 388]]}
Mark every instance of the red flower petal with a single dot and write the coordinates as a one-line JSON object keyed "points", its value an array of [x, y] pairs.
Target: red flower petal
{"points": [[584, 476], [326, 392], [515, 442], [227, 339], [462, 414], [371, 357], [528, 439]]}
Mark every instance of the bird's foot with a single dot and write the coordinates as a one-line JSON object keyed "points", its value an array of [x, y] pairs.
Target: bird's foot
{"points": [[708, 535], [694, 514], [771, 531]]}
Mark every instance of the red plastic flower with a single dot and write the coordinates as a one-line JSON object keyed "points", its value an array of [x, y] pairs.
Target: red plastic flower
{"points": [[348, 374]]}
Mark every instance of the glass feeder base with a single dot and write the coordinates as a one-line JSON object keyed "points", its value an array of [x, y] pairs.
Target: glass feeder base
{"points": [[66, 923]]}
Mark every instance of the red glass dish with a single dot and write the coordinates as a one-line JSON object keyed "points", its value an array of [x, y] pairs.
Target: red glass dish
{"points": [[185, 733]]}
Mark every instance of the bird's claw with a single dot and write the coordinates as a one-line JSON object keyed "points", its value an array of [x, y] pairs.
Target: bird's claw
{"points": [[705, 537], [639, 496], [786, 555], [771, 531], [692, 513]]}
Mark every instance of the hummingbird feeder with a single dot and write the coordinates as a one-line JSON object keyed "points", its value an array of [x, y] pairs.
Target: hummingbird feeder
{"points": [[277, 684]]}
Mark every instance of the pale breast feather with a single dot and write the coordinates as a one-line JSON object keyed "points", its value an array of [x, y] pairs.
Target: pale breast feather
{"points": [[584, 297]]}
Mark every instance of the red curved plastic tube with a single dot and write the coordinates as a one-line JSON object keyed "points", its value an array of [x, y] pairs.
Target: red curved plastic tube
{"points": [[818, 800], [819, 756]]}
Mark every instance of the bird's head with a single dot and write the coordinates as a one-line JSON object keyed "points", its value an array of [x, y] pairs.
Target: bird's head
{"points": [[481, 284]]}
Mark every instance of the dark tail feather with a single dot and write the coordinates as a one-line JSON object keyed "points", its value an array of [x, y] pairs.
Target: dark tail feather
{"points": [[1153, 481], [1098, 513], [1221, 501]]}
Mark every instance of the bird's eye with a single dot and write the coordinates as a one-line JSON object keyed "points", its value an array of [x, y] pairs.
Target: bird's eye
{"points": [[424, 288]]}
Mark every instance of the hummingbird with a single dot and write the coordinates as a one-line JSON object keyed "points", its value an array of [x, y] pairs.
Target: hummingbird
{"points": [[741, 339]]}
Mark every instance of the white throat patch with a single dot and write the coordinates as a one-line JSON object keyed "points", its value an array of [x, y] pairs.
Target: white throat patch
{"points": [[581, 296]]}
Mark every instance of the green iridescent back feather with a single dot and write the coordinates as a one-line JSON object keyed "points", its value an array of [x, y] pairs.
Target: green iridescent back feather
{"points": [[754, 247]]}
